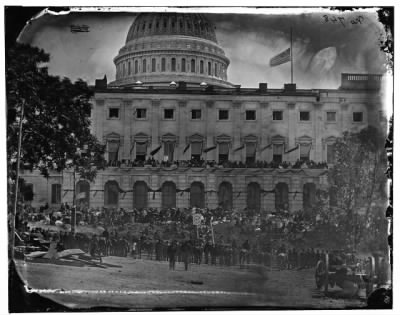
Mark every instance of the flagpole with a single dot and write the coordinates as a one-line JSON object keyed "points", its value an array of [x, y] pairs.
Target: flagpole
{"points": [[291, 56]]}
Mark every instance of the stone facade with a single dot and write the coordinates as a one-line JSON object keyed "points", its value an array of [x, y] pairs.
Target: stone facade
{"points": [[202, 110]]}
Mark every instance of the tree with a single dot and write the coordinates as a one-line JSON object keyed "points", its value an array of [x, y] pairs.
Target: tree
{"points": [[56, 119], [358, 184]]}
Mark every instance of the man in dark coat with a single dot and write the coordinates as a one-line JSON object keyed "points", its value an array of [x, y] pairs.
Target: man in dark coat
{"points": [[186, 250], [171, 252]]}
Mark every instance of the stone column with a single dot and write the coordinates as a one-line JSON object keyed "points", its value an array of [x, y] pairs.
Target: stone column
{"points": [[99, 118], [236, 141], [210, 130], [182, 127], [155, 130], [292, 127], [318, 121], [126, 127], [263, 123], [211, 198]]}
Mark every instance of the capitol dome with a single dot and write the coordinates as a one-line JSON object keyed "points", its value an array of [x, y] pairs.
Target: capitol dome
{"points": [[161, 48]]}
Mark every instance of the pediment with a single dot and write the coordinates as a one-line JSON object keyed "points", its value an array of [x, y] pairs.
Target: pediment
{"points": [[141, 137], [223, 138], [250, 138], [304, 139], [278, 139], [196, 137], [169, 137]]}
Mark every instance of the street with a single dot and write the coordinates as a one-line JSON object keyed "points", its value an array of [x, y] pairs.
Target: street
{"points": [[146, 284]]}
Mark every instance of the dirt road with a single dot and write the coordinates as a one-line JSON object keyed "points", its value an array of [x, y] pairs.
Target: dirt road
{"points": [[149, 284]]}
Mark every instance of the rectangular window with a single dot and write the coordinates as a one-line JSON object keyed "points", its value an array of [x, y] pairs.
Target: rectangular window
{"points": [[153, 65], [141, 150], [304, 116], [113, 113], [183, 65], [305, 152], [277, 152], [162, 64], [173, 64], [357, 116], [196, 148], [141, 113], [277, 115], [250, 152], [223, 114], [56, 193], [331, 116], [223, 153], [169, 151], [330, 154], [113, 148], [250, 115], [196, 113], [168, 114]]}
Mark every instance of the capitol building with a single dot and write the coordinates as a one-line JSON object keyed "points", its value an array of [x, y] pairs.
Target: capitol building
{"points": [[178, 134]]}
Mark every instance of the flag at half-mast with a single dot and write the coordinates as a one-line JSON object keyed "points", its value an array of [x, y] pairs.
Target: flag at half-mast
{"points": [[281, 58]]}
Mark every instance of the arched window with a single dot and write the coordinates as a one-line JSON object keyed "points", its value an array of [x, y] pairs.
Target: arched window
{"points": [[168, 195], [309, 193], [197, 195], [140, 195], [201, 66], [56, 193], [173, 64], [192, 65], [254, 197], [129, 68], [183, 65], [111, 194], [209, 68], [215, 69], [225, 196], [281, 196], [153, 65], [163, 64], [136, 66], [144, 65], [83, 193]]}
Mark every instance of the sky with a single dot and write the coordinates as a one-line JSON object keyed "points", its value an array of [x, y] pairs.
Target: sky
{"points": [[326, 43]]}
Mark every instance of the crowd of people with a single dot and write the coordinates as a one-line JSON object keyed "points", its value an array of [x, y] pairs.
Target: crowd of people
{"points": [[151, 162], [161, 229]]}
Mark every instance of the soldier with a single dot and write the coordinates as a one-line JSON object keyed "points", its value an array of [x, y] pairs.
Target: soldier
{"points": [[94, 246], [207, 251], [172, 249], [158, 250], [186, 249], [214, 253]]}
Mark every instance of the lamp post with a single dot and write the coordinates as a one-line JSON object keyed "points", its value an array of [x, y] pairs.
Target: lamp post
{"points": [[14, 213]]}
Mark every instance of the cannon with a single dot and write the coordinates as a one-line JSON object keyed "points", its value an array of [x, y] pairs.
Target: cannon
{"points": [[341, 269]]}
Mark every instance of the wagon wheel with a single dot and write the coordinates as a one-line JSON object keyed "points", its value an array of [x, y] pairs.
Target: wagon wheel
{"points": [[320, 274]]}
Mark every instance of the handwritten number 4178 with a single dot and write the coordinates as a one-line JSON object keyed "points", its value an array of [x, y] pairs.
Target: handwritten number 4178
{"points": [[341, 20]]}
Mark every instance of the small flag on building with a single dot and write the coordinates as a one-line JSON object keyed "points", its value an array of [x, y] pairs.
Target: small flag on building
{"points": [[293, 149], [210, 149], [186, 148], [239, 148], [266, 147], [281, 58], [81, 195], [155, 150]]}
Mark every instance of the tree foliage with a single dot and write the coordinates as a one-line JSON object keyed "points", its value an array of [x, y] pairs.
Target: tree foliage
{"points": [[56, 117], [358, 184]]}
